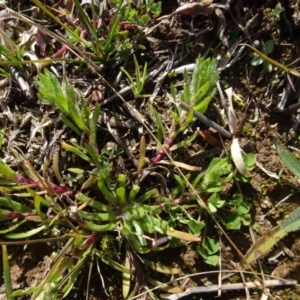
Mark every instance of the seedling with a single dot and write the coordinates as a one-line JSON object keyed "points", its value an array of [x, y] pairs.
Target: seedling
{"points": [[267, 48], [137, 85], [197, 93]]}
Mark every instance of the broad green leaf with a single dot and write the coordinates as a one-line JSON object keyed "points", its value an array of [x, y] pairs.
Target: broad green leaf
{"points": [[212, 260], [212, 246], [289, 160], [195, 226], [268, 47], [217, 169], [292, 223], [233, 222], [264, 244]]}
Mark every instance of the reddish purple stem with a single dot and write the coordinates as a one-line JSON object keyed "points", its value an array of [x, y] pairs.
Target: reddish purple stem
{"points": [[56, 188], [92, 239], [162, 152]]}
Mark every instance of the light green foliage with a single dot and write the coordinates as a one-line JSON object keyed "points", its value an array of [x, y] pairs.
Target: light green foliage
{"points": [[208, 251], [274, 13], [213, 180], [239, 214], [141, 12], [200, 89], [73, 34], [215, 202], [160, 135], [63, 97], [289, 160], [137, 85]]}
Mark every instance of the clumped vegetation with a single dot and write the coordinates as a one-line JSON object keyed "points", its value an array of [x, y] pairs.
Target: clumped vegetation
{"points": [[116, 154]]}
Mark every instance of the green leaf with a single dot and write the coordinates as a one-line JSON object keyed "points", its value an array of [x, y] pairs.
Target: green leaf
{"points": [[212, 260], [242, 209], [6, 271], [76, 151], [195, 226], [209, 259], [268, 47], [106, 192], [212, 178], [256, 61], [292, 223], [6, 172], [212, 246], [133, 193], [23, 235], [144, 19], [237, 199], [160, 127], [71, 125], [288, 159], [233, 222], [121, 194]]}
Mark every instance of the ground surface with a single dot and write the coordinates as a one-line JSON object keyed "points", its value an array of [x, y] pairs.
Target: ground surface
{"points": [[30, 264]]}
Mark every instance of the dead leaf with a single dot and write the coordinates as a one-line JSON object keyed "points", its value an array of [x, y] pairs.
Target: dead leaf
{"points": [[237, 158]]}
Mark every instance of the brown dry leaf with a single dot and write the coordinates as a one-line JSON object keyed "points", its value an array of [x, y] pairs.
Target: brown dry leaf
{"points": [[192, 9], [182, 165], [26, 36], [188, 237]]}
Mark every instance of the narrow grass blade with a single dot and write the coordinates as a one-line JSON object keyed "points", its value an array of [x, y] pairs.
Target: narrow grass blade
{"points": [[24, 235], [71, 125], [141, 161], [160, 127], [76, 151], [7, 277]]}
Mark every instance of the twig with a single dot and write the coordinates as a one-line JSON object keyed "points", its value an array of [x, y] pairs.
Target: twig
{"points": [[206, 121], [229, 287]]}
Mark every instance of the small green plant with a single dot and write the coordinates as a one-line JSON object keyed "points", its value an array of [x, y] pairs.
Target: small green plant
{"points": [[198, 91], [154, 7], [239, 214], [63, 97], [137, 85], [208, 251], [140, 14], [273, 14], [267, 48]]}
